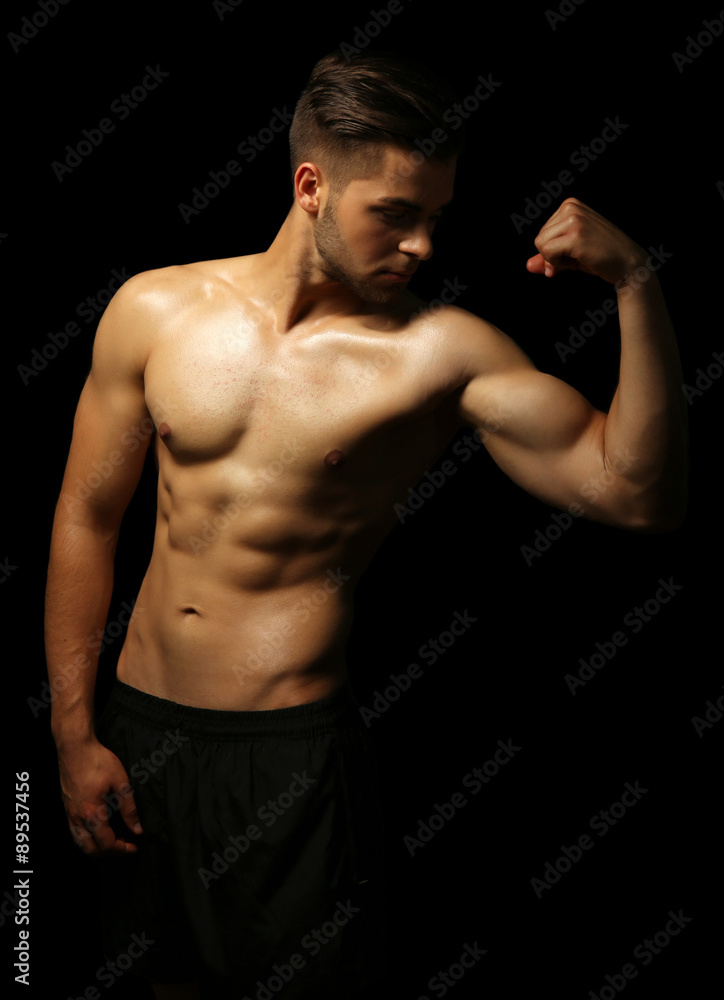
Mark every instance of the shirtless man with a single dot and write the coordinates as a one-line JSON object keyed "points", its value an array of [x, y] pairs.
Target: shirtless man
{"points": [[296, 395]]}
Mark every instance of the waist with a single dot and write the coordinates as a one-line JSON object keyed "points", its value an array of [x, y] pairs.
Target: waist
{"points": [[302, 720], [207, 645]]}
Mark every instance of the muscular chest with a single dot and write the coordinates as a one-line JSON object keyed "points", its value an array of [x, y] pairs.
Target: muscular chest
{"points": [[230, 388]]}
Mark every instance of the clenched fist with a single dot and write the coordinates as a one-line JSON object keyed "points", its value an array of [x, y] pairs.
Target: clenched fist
{"points": [[577, 238]]}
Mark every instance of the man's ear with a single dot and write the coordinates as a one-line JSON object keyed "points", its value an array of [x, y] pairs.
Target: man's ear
{"points": [[307, 187]]}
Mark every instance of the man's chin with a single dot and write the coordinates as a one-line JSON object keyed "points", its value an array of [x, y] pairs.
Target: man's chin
{"points": [[380, 293], [373, 290]]}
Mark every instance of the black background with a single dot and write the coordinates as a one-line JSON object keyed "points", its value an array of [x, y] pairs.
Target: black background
{"points": [[461, 552]]}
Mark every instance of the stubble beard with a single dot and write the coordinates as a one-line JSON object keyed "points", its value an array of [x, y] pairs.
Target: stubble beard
{"points": [[336, 261]]}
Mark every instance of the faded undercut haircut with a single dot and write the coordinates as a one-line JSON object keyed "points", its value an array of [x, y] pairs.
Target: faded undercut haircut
{"points": [[352, 107]]}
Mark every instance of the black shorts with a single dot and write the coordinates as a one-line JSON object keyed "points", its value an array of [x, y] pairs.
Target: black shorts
{"points": [[260, 870]]}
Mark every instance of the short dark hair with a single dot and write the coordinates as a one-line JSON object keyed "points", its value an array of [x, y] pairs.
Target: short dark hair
{"points": [[353, 106]]}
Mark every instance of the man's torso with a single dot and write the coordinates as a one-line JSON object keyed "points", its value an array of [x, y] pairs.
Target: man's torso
{"points": [[259, 543]]}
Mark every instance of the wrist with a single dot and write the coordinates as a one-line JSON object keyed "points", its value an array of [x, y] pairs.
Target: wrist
{"points": [[72, 731], [633, 267], [640, 279]]}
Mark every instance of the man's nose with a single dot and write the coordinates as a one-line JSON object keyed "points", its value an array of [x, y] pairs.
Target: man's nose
{"points": [[418, 243]]}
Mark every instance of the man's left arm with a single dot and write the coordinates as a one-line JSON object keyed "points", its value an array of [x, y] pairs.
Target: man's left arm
{"points": [[550, 439]]}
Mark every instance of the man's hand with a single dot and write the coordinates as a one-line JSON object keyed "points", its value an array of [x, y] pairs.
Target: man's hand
{"points": [[577, 238], [88, 772]]}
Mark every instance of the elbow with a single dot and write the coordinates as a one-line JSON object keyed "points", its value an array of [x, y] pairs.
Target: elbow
{"points": [[659, 521], [73, 515], [654, 509], [656, 525]]}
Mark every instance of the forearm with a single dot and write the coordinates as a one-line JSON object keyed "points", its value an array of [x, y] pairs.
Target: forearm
{"points": [[645, 433], [78, 595]]}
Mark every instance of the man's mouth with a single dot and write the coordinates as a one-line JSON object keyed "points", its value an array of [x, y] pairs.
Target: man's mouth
{"points": [[398, 275]]}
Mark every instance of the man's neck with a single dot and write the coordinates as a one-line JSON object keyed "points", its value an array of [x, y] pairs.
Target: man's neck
{"points": [[289, 282]]}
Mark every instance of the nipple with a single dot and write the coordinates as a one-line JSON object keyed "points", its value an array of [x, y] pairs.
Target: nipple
{"points": [[164, 430], [333, 458]]}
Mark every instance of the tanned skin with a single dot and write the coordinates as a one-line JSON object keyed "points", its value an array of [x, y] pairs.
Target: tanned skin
{"points": [[290, 398]]}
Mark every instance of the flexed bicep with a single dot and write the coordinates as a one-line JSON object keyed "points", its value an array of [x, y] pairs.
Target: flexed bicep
{"points": [[543, 433]]}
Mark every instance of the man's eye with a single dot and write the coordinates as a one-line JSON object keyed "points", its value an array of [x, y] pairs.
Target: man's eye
{"points": [[398, 218]]}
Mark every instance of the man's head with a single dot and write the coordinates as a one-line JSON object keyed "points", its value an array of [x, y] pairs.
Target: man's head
{"points": [[373, 159], [351, 109]]}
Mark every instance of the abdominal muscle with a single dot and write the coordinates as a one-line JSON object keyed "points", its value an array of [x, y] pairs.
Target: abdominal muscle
{"points": [[234, 626], [241, 650]]}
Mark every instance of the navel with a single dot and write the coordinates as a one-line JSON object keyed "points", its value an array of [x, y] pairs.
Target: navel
{"points": [[334, 458]]}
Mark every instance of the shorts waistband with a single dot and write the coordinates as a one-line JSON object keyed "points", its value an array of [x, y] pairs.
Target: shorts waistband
{"points": [[314, 718]]}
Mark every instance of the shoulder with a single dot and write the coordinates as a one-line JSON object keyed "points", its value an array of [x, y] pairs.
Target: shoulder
{"points": [[137, 315], [480, 347], [151, 303], [164, 288]]}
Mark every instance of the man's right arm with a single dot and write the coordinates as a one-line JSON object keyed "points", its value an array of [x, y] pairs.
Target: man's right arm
{"points": [[101, 475]]}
